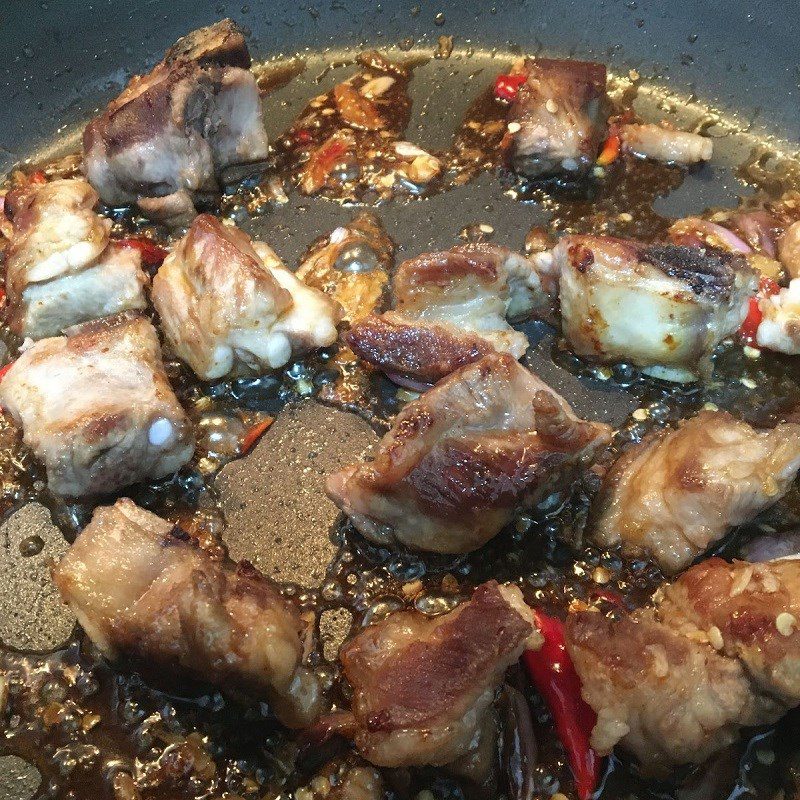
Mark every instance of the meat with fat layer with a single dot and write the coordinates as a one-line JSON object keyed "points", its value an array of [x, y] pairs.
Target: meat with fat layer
{"points": [[679, 491], [718, 653], [179, 132], [424, 688], [61, 269], [143, 588], [451, 308], [229, 306], [95, 406], [559, 118], [665, 144], [663, 308], [459, 461]]}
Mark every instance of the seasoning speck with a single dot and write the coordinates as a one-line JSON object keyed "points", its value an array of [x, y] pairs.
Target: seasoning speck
{"points": [[748, 382], [641, 414], [785, 623], [551, 106], [751, 352], [514, 127], [715, 637]]}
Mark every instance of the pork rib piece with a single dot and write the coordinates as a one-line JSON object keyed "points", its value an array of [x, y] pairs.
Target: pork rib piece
{"points": [[424, 688], [451, 308], [142, 588], [679, 491], [559, 117], [96, 408], [674, 684], [175, 134], [661, 307], [229, 306], [61, 269], [460, 460]]}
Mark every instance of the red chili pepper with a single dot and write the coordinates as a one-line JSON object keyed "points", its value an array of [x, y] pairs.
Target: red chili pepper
{"points": [[610, 151], [553, 674], [749, 329], [5, 369], [254, 434], [506, 87], [303, 136], [152, 255], [767, 286], [37, 177]]}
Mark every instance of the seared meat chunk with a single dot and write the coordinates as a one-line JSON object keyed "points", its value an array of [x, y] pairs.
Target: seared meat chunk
{"points": [[662, 696], [175, 134], [559, 118], [661, 307], [674, 684], [60, 268], [423, 688], [229, 306], [96, 408], [142, 588], [679, 491], [450, 309], [756, 610], [665, 144], [459, 461]]}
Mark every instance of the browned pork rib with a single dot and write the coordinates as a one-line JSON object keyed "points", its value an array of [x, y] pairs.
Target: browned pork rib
{"points": [[450, 309], [228, 305], [423, 688], [459, 461], [96, 408], [177, 133], [559, 117], [679, 491], [674, 684], [141, 587], [661, 307], [60, 268]]}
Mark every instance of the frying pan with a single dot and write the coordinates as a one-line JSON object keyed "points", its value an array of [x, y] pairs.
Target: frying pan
{"points": [[63, 59]]}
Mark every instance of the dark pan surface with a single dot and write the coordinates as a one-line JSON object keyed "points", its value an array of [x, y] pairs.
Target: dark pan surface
{"points": [[65, 58]]}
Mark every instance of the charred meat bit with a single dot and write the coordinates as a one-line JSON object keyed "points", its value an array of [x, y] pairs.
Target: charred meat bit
{"points": [[229, 306], [144, 590], [96, 408], [459, 461], [451, 308], [179, 132], [558, 118], [423, 689], [679, 491], [661, 307], [61, 269]]}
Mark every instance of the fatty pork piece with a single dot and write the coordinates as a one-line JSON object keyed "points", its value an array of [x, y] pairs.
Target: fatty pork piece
{"points": [[175, 134], [142, 588], [558, 119], [228, 305], [720, 652], [679, 491], [450, 309], [424, 688], [462, 458], [61, 269], [661, 307], [95, 406], [665, 144]]}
